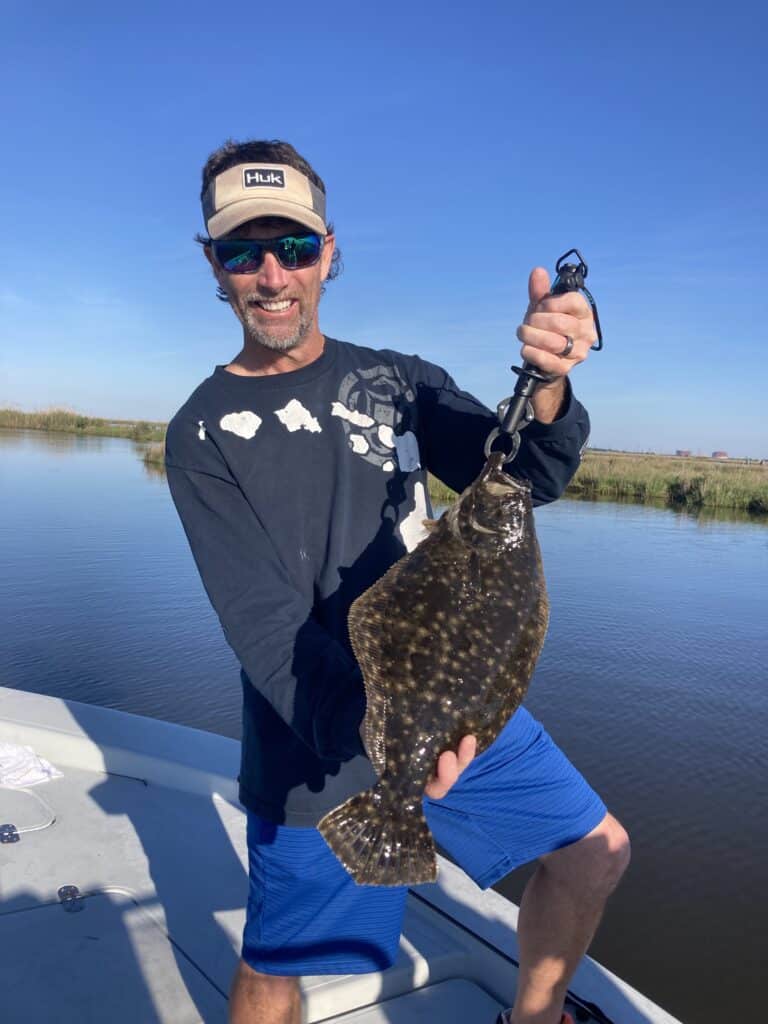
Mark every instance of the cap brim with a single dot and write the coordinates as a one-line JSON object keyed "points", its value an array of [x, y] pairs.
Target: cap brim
{"points": [[235, 214]]}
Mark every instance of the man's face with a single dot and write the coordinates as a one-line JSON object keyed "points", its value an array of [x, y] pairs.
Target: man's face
{"points": [[277, 307]]}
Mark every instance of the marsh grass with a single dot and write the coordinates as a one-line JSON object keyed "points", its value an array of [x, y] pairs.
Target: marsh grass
{"points": [[679, 482], [686, 483], [689, 483], [67, 421], [439, 494]]}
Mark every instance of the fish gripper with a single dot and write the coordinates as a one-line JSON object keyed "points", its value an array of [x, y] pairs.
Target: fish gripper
{"points": [[516, 413]]}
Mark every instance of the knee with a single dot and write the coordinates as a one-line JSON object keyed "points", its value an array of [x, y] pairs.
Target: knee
{"points": [[597, 862], [615, 850]]}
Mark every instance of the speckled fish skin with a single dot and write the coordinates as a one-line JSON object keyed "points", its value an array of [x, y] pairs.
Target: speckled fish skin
{"points": [[447, 641]]}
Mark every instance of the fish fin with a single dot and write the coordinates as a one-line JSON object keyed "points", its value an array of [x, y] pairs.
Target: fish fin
{"points": [[394, 850]]}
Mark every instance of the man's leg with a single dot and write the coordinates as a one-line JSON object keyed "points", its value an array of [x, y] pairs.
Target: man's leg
{"points": [[521, 801], [559, 914], [305, 916], [263, 998]]}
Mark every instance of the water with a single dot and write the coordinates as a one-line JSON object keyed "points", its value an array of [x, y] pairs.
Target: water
{"points": [[652, 680]]}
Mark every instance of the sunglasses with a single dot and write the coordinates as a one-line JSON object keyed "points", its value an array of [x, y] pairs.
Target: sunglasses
{"points": [[245, 255]]}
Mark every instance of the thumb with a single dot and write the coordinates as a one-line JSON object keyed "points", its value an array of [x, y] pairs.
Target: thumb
{"points": [[538, 285]]}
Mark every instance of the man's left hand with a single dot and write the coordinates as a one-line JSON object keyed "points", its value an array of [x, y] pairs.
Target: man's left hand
{"points": [[549, 321]]}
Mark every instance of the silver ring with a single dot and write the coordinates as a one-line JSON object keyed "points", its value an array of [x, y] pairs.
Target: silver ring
{"points": [[568, 346]]}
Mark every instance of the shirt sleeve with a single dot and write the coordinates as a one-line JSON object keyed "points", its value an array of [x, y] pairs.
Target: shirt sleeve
{"points": [[306, 675], [453, 427]]}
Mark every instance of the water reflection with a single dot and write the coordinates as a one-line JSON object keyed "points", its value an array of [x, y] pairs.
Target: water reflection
{"points": [[155, 471], [54, 443], [701, 514]]}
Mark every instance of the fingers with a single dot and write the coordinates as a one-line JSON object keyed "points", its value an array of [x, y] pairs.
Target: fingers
{"points": [[449, 768], [447, 773], [539, 341], [572, 303], [466, 752], [549, 321], [560, 324], [555, 365]]}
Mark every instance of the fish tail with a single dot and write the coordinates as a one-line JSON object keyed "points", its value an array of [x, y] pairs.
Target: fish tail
{"points": [[381, 849]]}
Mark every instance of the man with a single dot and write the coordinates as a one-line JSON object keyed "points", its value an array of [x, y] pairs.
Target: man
{"points": [[299, 473]]}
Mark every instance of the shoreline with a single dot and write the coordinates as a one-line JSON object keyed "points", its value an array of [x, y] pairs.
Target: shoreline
{"points": [[690, 483], [644, 482], [64, 421]]}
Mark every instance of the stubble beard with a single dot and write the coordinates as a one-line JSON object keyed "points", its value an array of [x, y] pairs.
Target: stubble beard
{"points": [[277, 341]]}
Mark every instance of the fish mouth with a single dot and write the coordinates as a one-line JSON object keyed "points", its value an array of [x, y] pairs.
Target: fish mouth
{"points": [[497, 488], [493, 490], [496, 481]]}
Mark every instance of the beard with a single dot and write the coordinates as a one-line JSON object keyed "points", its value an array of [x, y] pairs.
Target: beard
{"points": [[275, 338]]}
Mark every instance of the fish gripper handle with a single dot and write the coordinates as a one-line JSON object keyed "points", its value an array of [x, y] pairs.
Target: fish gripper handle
{"points": [[516, 412]]}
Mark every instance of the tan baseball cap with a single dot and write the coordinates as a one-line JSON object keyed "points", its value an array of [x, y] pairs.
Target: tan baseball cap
{"points": [[247, 191]]}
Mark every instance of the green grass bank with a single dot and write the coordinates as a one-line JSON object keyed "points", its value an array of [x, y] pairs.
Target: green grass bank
{"points": [[679, 482], [69, 422], [661, 480], [690, 482]]}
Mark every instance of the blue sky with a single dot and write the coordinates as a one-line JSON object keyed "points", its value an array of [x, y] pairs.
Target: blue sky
{"points": [[461, 145]]}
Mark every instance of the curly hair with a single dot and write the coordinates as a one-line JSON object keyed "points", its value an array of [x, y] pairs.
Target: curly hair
{"points": [[262, 151]]}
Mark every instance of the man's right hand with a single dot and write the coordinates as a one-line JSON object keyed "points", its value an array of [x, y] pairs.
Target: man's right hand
{"points": [[449, 768]]}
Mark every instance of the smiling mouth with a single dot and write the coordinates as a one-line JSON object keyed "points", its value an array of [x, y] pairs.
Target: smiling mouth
{"points": [[274, 307]]}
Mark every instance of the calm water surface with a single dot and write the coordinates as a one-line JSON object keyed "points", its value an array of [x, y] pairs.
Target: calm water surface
{"points": [[653, 680]]}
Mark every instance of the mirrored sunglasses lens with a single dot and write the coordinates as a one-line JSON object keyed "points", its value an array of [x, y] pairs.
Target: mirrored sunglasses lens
{"points": [[298, 251], [239, 257]]}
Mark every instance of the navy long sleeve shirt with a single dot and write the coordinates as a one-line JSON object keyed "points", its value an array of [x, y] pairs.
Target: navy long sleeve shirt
{"points": [[297, 491]]}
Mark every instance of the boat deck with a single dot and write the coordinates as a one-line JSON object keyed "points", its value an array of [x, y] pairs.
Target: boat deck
{"points": [[146, 825]]}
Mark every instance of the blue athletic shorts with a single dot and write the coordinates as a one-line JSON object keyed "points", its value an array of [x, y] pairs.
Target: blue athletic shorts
{"points": [[518, 800]]}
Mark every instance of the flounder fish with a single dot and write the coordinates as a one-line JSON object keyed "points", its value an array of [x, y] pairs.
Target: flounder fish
{"points": [[447, 641]]}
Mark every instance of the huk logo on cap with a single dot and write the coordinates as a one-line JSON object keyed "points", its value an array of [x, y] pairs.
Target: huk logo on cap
{"points": [[255, 176]]}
